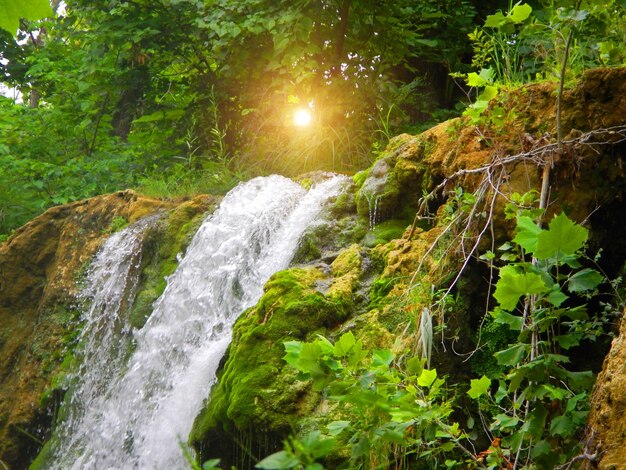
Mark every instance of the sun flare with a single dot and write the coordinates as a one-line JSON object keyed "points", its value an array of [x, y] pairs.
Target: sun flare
{"points": [[302, 117]]}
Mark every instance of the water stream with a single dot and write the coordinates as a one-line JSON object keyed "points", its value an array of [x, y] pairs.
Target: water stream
{"points": [[128, 413]]}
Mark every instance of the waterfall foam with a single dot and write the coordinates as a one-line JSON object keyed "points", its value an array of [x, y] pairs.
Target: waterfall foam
{"points": [[136, 419]]}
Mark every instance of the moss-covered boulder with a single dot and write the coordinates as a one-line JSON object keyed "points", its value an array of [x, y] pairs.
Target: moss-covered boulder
{"points": [[393, 185], [256, 395]]}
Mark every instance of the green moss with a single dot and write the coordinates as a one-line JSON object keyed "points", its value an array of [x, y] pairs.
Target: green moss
{"points": [[385, 232], [255, 389], [379, 291], [360, 177], [348, 260]]}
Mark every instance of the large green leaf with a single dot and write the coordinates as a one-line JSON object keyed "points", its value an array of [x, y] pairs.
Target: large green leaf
{"points": [[12, 10], [515, 322], [344, 344], [562, 239], [512, 285], [526, 233], [562, 426], [427, 377], [519, 13]]}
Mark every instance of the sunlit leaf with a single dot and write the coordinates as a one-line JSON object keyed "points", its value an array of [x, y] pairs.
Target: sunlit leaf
{"points": [[479, 387], [519, 13], [512, 285], [344, 344], [526, 233], [562, 239], [495, 20], [382, 357], [427, 377], [11, 11]]}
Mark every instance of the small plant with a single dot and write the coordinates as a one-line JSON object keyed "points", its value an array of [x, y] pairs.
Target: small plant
{"points": [[390, 413], [538, 405], [117, 224]]}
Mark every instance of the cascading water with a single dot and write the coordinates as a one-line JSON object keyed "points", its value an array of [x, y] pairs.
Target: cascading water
{"points": [[138, 418]]}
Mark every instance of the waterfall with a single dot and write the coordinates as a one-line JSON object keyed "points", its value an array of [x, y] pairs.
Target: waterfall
{"points": [[134, 412]]}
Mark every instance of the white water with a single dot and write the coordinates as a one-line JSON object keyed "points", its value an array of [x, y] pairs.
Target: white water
{"points": [[137, 419]]}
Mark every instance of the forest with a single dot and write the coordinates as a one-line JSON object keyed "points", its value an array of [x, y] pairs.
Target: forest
{"points": [[429, 109], [181, 97]]}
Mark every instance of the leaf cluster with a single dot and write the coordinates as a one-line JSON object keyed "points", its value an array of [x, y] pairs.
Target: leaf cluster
{"points": [[538, 404], [384, 408]]}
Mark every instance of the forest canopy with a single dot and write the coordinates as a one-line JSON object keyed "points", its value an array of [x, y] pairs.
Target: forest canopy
{"points": [[175, 97]]}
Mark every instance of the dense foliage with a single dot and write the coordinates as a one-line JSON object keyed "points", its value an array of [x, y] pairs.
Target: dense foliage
{"points": [[181, 96], [184, 96]]}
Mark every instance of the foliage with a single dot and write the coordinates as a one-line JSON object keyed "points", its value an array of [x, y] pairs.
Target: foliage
{"points": [[14, 10], [527, 43], [538, 405], [388, 413]]}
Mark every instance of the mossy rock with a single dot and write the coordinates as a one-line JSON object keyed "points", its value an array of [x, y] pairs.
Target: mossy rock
{"points": [[256, 390], [394, 183], [162, 245]]}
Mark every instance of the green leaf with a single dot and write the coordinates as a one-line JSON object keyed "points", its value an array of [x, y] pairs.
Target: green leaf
{"points": [[211, 464], [580, 380], [357, 354], [382, 357], [542, 447], [495, 20], [327, 346], [479, 387], [415, 365], [12, 10], [427, 377], [512, 285], [317, 446], [568, 341], [488, 94], [562, 239], [519, 13], [536, 421], [393, 436], [473, 79], [515, 322], [309, 359], [584, 280], [344, 344], [314, 466], [512, 356], [336, 427], [171, 114], [562, 426], [526, 233], [556, 297], [504, 421], [278, 461]]}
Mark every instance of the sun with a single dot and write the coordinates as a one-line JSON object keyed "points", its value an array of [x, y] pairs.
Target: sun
{"points": [[302, 117]]}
